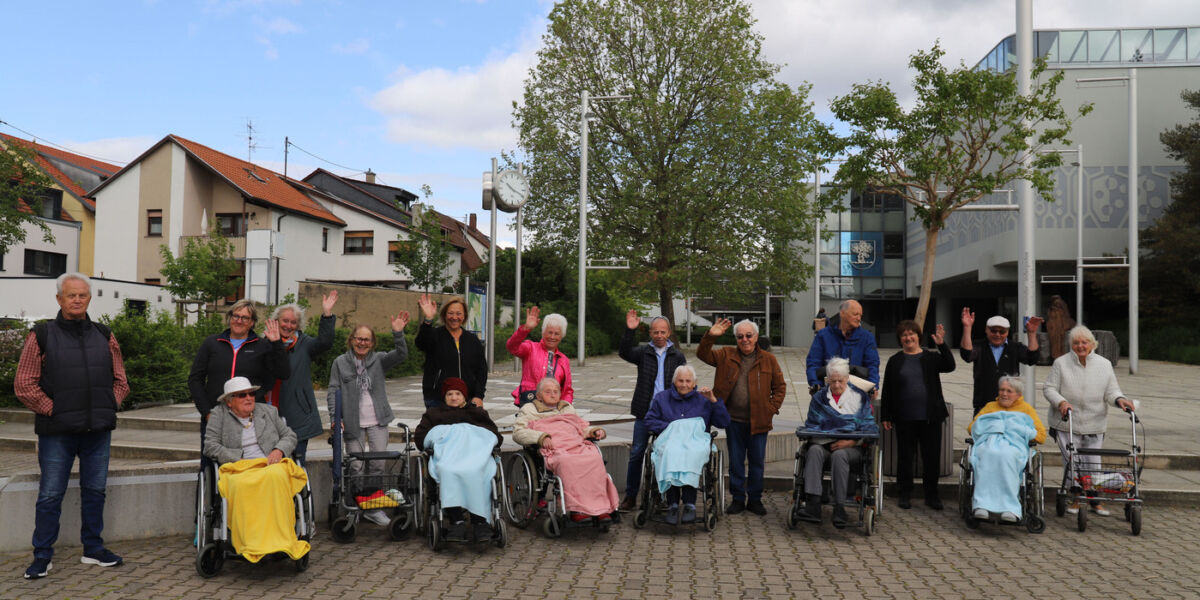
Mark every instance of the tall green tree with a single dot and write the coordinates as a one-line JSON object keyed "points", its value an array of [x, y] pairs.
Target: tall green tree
{"points": [[425, 254], [202, 271], [1170, 260], [21, 187], [966, 136], [697, 178]]}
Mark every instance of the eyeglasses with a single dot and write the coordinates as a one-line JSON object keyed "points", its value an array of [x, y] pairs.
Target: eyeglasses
{"points": [[744, 336], [997, 330], [362, 340], [242, 395], [241, 318]]}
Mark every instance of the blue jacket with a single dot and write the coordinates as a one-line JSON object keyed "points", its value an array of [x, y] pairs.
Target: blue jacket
{"points": [[859, 349], [669, 406]]}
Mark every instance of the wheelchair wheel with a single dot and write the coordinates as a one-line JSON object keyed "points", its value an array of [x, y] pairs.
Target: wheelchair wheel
{"points": [[1035, 524], [791, 515], [710, 520], [521, 506], [1081, 517], [640, 518], [210, 559], [1128, 508], [500, 535], [434, 537], [551, 527], [301, 564], [869, 522], [343, 530], [401, 526], [965, 492], [1060, 504], [1135, 519]]}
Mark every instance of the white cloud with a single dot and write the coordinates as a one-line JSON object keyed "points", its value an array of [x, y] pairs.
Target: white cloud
{"points": [[119, 150], [279, 26], [467, 107], [358, 46]]}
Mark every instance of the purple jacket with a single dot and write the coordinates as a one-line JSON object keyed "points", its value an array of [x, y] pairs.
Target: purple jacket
{"points": [[669, 406]]}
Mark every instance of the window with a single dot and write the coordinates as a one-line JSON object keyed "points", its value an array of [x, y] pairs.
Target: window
{"points": [[154, 281], [50, 206], [231, 224], [135, 307], [49, 264], [154, 223], [324, 239], [358, 242]]}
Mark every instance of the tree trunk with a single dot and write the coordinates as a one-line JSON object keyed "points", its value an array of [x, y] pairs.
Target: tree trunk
{"points": [[667, 305], [931, 237]]}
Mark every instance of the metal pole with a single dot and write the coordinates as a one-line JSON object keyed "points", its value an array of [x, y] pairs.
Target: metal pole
{"points": [[1133, 224], [517, 302], [1026, 291], [768, 312], [1079, 236], [817, 244], [583, 158], [489, 328]]}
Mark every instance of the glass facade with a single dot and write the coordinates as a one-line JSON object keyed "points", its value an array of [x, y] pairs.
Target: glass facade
{"points": [[1102, 47], [862, 251]]}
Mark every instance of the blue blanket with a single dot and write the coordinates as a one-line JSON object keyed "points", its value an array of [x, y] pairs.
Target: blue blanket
{"points": [[823, 418], [680, 453], [998, 458], [463, 466]]}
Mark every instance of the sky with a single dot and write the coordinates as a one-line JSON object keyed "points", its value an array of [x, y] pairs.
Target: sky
{"points": [[418, 91]]}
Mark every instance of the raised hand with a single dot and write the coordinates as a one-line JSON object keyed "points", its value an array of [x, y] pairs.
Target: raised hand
{"points": [[271, 332], [531, 317], [968, 318], [939, 334], [1034, 324], [428, 308], [707, 393], [631, 319], [400, 321], [327, 302], [720, 327]]}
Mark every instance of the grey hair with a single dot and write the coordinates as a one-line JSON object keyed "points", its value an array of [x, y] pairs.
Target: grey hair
{"points": [[752, 325], [845, 305], [683, 369], [661, 318], [1013, 382], [292, 306], [1081, 332], [555, 320], [546, 380], [62, 279], [837, 366]]}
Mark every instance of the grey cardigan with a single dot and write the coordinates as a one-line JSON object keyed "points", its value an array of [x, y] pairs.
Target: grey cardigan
{"points": [[223, 437], [344, 376]]}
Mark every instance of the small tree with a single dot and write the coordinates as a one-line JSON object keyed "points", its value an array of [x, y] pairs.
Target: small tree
{"points": [[426, 253], [201, 273], [966, 137], [21, 188]]}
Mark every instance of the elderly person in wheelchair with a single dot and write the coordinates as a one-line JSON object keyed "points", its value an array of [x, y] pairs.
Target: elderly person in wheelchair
{"points": [[680, 416], [461, 437], [838, 428], [563, 439], [1002, 434], [251, 443]]}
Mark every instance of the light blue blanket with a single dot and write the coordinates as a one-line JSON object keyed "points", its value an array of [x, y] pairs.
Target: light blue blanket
{"points": [[998, 458], [463, 466], [680, 453]]}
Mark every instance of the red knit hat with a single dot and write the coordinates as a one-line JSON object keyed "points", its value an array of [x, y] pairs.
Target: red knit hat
{"points": [[454, 383]]}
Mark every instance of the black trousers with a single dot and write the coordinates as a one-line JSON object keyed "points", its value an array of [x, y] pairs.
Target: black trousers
{"points": [[910, 434]]}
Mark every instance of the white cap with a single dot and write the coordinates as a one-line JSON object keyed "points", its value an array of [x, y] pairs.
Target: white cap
{"points": [[998, 321], [235, 385]]}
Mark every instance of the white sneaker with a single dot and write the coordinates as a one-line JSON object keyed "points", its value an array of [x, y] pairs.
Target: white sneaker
{"points": [[376, 516], [1072, 509], [981, 514], [1008, 517], [1101, 511]]}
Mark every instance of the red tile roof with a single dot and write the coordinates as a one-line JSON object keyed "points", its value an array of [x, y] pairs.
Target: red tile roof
{"points": [[68, 184], [257, 182]]}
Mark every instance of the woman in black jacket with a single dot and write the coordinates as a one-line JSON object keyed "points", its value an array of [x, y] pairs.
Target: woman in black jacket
{"points": [[913, 404], [450, 351]]}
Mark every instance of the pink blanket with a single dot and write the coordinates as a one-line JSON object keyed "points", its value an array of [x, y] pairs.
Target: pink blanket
{"points": [[587, 487]]}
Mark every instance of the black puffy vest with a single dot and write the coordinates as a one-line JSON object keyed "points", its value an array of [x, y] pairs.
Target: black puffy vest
{"points": [[77, 375]]}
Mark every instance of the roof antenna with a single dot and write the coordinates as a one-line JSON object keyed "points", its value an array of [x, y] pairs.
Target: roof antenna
{"points": [[250, 145]]}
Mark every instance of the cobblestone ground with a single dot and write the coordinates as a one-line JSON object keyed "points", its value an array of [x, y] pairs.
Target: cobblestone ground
{"points": [[914, 554]]}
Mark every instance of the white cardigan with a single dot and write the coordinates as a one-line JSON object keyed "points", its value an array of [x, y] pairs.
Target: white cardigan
{"points": [[1089, 389]]}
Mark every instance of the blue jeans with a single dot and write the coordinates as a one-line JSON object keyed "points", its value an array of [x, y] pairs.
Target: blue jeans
{"points": [[633, 475], [741, 446], [301, 452], [56, 455]]}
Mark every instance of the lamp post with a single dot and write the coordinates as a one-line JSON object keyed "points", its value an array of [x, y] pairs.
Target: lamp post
{"points": [[583, 194]]}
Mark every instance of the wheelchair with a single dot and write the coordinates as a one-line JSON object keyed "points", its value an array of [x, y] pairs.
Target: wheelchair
{"points": [[866, 482], [1030, 493], [214, 543], [652, 504], [431, 515], [536, 493], [345, 511]]}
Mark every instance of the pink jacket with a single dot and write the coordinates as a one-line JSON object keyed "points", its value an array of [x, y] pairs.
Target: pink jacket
{"points": [[533, 365]]}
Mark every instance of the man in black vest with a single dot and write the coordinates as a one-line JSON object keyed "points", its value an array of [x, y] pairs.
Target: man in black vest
{"points": [[72, 377], [996, 358], [656, 363]]}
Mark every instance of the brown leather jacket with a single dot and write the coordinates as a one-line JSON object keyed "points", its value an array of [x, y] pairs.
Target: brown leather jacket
{"points": [[767, 387]]}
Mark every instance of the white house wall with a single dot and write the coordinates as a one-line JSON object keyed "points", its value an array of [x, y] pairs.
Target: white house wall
{"points": [[66, 241], [117, 227]]}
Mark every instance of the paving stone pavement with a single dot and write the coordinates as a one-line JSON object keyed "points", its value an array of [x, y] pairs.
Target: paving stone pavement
{"points": [[914, 554]]}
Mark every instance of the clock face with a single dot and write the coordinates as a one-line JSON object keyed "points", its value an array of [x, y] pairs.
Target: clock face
{"points": [[512, 189]]}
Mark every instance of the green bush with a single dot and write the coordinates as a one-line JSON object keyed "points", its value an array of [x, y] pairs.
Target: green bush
{"points": [[157, 357]]}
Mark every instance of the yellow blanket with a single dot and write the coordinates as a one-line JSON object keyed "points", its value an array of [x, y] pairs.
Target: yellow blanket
{"points": [[262, 516]]}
